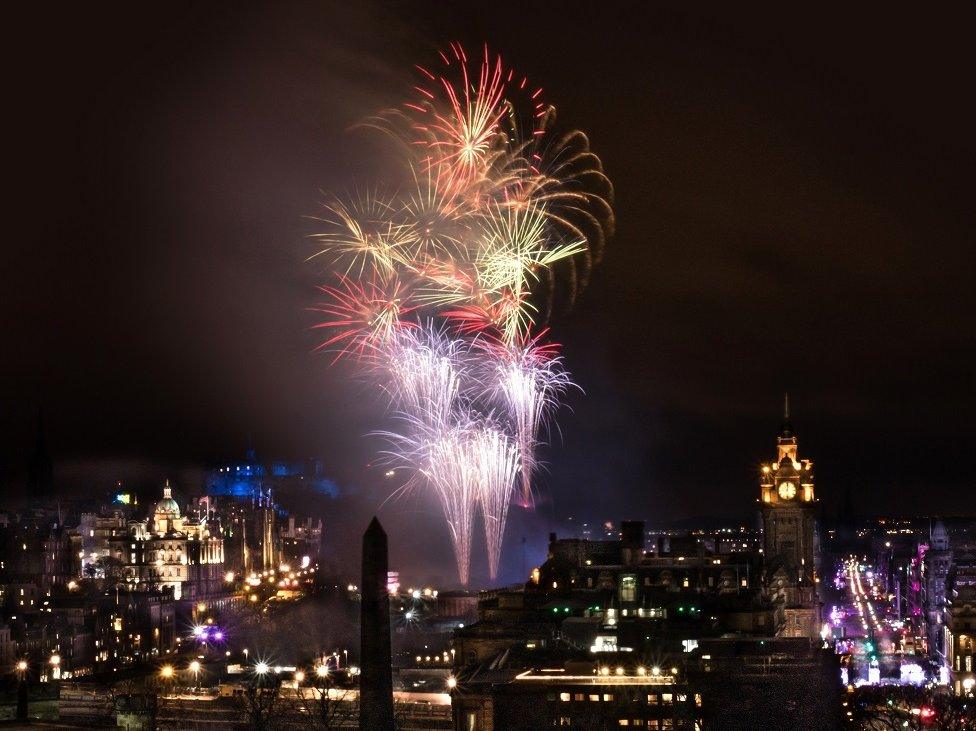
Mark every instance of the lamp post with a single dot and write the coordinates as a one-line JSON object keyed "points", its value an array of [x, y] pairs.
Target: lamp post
{"points": [[22, 668]]}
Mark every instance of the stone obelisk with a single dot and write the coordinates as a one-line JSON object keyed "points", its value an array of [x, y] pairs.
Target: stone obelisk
{"points": [[376, 682]]}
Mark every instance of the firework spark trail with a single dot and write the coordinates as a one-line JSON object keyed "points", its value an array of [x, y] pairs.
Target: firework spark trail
{"points": [[453, 474], [440, 288], [527, 381], [496, 459], [364, 315], [425, 370], [516, 246]]}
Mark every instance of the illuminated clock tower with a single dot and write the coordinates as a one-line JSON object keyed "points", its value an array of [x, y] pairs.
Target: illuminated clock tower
{"points": [[789, 510]]}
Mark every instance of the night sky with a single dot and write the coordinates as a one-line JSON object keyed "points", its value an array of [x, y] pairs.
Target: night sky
{"points": [[795, 213]]}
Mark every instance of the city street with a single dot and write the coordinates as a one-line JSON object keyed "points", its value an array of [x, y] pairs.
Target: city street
{"points": [[867, 631]]}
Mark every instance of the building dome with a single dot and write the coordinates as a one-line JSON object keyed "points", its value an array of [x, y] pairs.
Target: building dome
{"points": [[167, 507]]}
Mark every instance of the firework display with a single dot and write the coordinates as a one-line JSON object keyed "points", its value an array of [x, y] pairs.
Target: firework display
{"points": [[442, 290]]}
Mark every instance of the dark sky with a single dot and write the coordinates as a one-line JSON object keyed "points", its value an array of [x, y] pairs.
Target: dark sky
{"points": [[794, 205]]}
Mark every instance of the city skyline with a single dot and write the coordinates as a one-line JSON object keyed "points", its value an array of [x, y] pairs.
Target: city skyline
{"points": [[158, 312]]}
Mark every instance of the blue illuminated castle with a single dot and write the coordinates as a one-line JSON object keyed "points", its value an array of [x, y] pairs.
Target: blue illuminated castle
{"points": [[253, 479]]}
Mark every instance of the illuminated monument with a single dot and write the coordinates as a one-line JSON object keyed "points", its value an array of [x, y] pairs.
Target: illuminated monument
{"points": [[789, 510]]}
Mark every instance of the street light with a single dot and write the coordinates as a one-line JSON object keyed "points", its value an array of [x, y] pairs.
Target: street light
{"points": [[262, 668], [299, 677], [22, 666], [166, 672], [322, 670], [452, 682]]}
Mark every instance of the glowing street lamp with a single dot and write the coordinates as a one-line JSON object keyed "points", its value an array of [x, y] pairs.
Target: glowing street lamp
{"points": [[452, 682], [167, 672], [262, 668], [322, 670]]}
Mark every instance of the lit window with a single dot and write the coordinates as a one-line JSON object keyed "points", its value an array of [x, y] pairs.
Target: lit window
{"points": [[579, 696], [608, 697], [564, 697], [628, 588], [652, 699], [594, 696], [666, 698]]}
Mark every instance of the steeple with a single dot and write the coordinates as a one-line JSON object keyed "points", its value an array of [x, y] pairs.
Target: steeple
{"points": [[786, 428], [786, 441]]}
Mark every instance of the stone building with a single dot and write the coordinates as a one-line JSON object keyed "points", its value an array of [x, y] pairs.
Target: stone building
{"points": [[959, 633], [184, 553]]}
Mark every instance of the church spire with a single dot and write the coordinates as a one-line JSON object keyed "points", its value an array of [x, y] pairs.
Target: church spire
{"points": [[786, 429]]}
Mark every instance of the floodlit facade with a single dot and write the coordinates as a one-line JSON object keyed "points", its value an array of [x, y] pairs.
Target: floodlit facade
{"points": [[171, 550]]}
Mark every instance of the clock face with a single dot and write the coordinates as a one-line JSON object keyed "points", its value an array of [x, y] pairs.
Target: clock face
{"points": [[787, 490]]}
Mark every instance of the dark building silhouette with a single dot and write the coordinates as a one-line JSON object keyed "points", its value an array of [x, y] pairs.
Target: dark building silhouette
{"points": [[40, 473], [376, 683]]}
